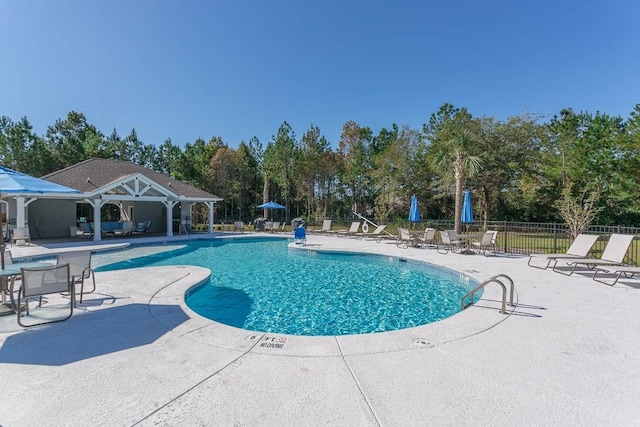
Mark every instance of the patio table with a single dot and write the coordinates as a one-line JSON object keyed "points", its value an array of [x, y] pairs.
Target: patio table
{"points": [[11, 272], [467, 238]]}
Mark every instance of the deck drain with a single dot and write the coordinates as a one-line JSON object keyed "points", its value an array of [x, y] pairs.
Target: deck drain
{"points": [[421, 342]]}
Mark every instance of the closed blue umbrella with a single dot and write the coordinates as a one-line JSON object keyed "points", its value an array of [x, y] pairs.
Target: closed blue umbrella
{"points": [[414, 212], [467, 211]]}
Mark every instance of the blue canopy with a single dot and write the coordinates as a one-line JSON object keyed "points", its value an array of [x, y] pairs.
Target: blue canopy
{"points": [[271, 205], [414, 212], [17, 182], [467, 212]]}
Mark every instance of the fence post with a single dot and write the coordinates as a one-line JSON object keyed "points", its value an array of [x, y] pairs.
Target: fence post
{"points": [[505, 237], [555, 238]]}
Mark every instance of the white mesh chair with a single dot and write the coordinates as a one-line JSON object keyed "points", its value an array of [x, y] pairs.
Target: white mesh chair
{"points": [[429, 237], [450, 241], [37, 282], [486, 242], [79, 268], [404, 238]]}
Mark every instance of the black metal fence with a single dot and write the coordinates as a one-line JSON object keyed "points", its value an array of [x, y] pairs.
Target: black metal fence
{"points": [[529, 237]]}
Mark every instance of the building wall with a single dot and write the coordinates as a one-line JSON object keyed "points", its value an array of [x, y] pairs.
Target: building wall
{"points": [[50, 218], [154, 211]]}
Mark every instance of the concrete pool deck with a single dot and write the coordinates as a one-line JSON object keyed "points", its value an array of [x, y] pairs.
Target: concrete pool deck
{"points": [[568, 353]]}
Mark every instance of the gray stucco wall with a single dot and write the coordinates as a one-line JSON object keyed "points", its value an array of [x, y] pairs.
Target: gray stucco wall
{"points": [[51, 218]]}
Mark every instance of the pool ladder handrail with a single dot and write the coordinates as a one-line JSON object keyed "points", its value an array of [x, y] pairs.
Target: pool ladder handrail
{"points": [[494, 279]]}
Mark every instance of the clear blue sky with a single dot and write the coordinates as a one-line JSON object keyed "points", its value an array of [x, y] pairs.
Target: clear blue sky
{"points": [[237, 69]]}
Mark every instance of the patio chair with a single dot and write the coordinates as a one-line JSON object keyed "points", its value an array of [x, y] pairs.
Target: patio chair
{"points": [[613, 255], [352, 231], [449, 241], [404, 238], [429, 238], [126, 230], [275, 226], [579, 248], [142, 227], [79, 268], [38, 282], [326, 227], [238, 226], [86, 229], [486, 242]]}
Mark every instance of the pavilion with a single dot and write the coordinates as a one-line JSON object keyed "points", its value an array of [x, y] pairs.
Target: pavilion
{"points": [[112, 189]]}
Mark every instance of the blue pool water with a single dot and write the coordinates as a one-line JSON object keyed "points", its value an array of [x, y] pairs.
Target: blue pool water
{"points": [[262, 285]]}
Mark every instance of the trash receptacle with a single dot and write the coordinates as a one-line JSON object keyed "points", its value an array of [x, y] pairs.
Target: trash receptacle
{"points": [[73, 231], [296, 222], [258, 224]]}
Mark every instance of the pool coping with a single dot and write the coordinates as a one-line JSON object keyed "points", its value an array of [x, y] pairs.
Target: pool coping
{"points": [[475, 319]]}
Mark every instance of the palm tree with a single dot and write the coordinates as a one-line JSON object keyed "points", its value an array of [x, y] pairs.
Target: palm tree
{"points": [[451, 146]]}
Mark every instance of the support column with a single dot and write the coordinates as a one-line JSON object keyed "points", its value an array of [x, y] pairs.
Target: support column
{"points": [[20, 214], [97, 226], [170, 204], [210, 205]]}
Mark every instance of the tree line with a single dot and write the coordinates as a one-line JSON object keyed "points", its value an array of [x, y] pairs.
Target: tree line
{"points": [[517, 169]]}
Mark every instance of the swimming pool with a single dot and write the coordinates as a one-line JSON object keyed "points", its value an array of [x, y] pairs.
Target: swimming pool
{"points": [[262, 285]]}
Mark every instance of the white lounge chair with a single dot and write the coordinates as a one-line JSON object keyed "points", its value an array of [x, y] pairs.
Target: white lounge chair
{"points": [[374, 234], [352, 231], [619, 271], [579, 248], [326, 227], [613, 255]]}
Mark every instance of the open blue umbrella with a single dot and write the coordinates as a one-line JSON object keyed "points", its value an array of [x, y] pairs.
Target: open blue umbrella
{"points": [[271, 205], [467, 211], [414, 212], [15, 182]]}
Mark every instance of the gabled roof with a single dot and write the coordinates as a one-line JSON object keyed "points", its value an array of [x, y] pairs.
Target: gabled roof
{"points": [[94, 174]]}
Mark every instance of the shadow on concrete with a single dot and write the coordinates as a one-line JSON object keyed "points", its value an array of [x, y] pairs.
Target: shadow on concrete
{"points": [[90, 335]]}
